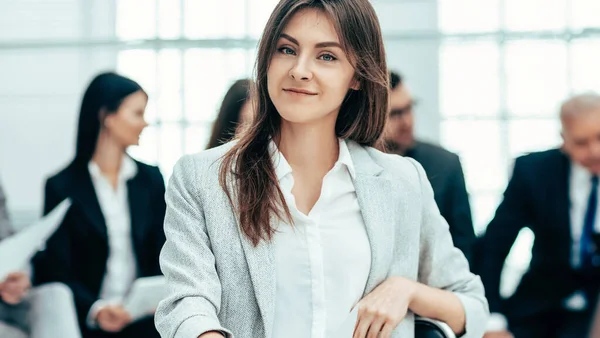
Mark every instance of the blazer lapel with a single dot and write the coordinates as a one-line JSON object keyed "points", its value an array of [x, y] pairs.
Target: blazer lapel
{"points": [[562, 203], [139, 209], [261, 264], [84, 194], [374, 194]]}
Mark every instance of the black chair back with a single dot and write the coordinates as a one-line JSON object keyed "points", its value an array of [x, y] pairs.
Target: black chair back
{"points": [[427, 328]]}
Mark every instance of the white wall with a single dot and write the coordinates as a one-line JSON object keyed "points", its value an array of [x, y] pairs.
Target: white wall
{"points": [[40, 89]]}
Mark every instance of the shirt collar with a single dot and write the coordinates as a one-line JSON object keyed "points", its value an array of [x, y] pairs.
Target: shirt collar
{"points": [[346, 159], [128, 169], [283, 168]]}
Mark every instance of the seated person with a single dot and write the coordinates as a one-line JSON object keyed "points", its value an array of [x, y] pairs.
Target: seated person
{"points": [[113, 232], [442, 167], [555, 194], [45, 312]]}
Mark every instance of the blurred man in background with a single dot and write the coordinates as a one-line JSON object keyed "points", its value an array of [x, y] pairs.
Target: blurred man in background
{"points": [[45, 312], [555, 194], [443, 168]]}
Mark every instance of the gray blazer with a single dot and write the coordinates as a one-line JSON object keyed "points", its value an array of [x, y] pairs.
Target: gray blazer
{"points": [[218, 281]]}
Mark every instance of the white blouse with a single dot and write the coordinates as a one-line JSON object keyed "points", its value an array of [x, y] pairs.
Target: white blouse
{"points": [[121, 266], [323, 261]]}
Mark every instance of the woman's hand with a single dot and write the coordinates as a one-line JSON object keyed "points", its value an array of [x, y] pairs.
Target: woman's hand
{"points": [[15, 288], [384, 308], [498, 334], [113, 318]]}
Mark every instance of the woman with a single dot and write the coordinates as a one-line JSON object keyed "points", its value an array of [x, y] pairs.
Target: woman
{"points": [[284, 232], [112, 234], [235, 112]]}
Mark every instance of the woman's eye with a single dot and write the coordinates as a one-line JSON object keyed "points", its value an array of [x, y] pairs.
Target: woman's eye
{"points": [[328, 57], [286, 50]]}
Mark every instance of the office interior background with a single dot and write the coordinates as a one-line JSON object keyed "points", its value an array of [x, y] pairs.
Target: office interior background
{"points": [[488, 74]]}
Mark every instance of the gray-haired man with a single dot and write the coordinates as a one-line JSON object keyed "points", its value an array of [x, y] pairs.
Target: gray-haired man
{"points": [[555, 194]]}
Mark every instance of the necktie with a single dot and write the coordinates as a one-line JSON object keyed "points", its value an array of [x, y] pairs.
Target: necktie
{"points": [[587, 247]]}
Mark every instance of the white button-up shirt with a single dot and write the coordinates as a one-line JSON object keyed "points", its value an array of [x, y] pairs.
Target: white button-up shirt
{"points": [[580, 186], [323, 260], [121, 266]]}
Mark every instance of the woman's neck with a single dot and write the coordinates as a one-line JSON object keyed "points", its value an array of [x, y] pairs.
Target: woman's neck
{"points": [[309, 147], [108, 155]]}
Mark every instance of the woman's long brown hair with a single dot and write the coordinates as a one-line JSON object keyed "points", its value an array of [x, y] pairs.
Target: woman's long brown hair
{"points": [[247, 173]]}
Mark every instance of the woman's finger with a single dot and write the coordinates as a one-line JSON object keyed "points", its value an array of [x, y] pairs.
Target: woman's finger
{"points": [[386, 331], [362, 325], [13, 290], [376, 327]]}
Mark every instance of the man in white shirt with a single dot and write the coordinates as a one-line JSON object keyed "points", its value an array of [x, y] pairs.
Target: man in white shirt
{"points": [[555, 194]]}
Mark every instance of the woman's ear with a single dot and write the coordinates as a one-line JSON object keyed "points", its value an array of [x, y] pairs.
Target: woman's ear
{"points": [[355, 84], [102, 116]]}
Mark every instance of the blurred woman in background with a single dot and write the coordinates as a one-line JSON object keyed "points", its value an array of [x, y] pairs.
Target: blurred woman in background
{"points": [[235, 112], [112, 233]]}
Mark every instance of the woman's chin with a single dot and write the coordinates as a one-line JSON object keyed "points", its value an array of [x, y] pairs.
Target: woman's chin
{"points": [[131, 143]]}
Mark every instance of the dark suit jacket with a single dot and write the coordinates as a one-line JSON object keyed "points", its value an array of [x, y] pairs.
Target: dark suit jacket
{"points": [[446, 176], [537, 196], [77, 253]]}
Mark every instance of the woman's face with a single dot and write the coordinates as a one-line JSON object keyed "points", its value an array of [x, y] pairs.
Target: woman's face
{"points": [[309, 74], [128, 122]]}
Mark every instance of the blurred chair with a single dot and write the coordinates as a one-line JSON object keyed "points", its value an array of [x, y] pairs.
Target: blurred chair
{"points": [[52, 312], [49, 312], [431, 328], [11, 332]]}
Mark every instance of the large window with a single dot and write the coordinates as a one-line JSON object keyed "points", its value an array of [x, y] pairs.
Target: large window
{"points": [[189, 57], [505, 67]]}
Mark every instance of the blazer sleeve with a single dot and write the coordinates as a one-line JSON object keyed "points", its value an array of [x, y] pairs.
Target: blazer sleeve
{"points": [[52, 196], [460, 219], [511, 216], [443, 266], [186, 260], [54, 264]]}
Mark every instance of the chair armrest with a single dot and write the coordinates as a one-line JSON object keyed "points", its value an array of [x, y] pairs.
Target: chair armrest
{"points": [[429, 324]]}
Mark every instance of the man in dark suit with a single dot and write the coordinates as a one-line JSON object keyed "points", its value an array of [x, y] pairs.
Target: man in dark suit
{"points": [[554, 193], [443, 168]]}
